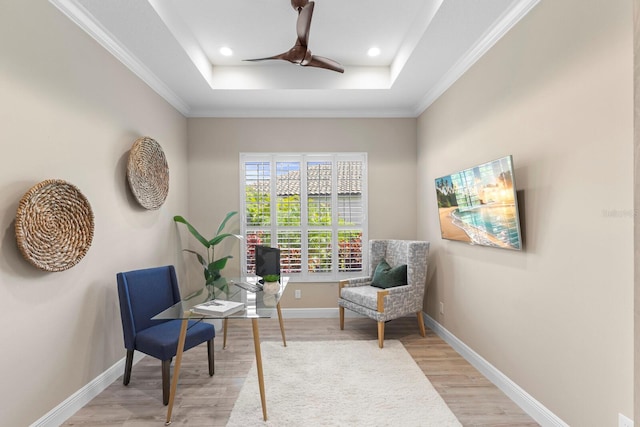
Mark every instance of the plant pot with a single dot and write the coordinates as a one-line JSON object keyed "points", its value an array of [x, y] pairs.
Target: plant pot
{"points": [[269, 300], [271, 288]]}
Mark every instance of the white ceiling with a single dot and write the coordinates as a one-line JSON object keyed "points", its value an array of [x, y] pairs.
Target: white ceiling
{"points": [[174, 47]]}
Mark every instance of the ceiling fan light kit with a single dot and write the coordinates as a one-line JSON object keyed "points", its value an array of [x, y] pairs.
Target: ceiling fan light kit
{"points": [[300, 53]]}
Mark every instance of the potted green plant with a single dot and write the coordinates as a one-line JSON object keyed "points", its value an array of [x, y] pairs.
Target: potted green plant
{"points": [[212, 266], [271, 283], [271, 278]]}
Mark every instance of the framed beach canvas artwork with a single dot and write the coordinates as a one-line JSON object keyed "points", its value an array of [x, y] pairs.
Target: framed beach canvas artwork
{"points": [[479, 205]]}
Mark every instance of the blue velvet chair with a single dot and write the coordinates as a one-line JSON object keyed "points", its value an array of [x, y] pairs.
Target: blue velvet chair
{"points": [[143, 294]]}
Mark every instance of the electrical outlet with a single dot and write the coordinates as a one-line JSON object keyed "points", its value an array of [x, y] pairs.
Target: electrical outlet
{"points": [[298, 294], [624, 421], [441, 307]]}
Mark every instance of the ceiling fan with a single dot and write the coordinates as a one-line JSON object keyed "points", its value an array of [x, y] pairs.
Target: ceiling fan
{"points": [[300, 53]]}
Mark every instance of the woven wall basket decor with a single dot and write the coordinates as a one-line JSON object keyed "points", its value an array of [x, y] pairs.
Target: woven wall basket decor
{"points": [[148, 173], [54, 225]]}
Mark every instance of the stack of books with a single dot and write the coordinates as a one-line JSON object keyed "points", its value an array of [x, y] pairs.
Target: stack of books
{"points": [[218, 308]]}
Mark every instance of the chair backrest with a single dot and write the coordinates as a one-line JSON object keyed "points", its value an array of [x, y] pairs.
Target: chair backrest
{"points": [[414, 253], [142, 295]]}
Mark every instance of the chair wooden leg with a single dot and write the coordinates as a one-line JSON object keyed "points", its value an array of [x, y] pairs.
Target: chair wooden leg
{"points": [[381, 334], [421, 324], [166, 380], [341, 310], [211, 354], [127, 368]]}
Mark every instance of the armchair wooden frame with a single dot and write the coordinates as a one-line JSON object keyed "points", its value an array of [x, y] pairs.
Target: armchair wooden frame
{"points": [[383, 305]]}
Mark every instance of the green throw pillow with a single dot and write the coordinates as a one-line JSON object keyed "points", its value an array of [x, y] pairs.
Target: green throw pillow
{"points": [[387, 277]]}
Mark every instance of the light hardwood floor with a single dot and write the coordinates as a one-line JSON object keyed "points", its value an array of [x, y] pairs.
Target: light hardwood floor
{"points": [[207, 401]]}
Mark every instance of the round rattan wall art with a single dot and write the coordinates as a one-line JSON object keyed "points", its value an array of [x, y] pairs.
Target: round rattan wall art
{"points": [[148, 173], [54, 225]]}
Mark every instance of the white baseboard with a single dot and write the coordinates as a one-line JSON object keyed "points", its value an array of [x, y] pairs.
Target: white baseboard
{"points": [[80, 398], [531, 406], [524, 400], [77, 400]]}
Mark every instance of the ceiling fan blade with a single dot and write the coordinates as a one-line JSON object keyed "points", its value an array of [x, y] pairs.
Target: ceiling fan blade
{"points": [[322, 62], [279, 56], [294, 55], [303, 25], [300, 53]]}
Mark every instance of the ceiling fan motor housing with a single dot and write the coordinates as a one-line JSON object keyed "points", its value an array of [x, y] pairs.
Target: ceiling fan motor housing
{"points": [[299, 4]]}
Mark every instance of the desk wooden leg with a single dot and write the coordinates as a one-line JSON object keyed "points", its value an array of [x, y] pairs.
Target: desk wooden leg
{"points": [[256, 343], [176, 369], [284, 340], [224, 333]]}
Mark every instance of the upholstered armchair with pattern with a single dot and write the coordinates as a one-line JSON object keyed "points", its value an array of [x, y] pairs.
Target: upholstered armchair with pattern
{"points": [[387, 297]]}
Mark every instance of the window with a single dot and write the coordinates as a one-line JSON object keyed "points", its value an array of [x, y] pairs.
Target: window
{"points": [[314, 210]]}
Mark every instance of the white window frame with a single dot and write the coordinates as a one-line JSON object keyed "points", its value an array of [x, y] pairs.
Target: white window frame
{"points": [[304, 158]]}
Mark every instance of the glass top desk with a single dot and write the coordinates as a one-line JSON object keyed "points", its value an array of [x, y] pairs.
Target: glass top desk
{"points": [[258, 304]]}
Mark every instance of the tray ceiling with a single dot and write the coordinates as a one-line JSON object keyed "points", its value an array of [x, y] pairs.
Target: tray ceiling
{"points": [[174, 46]]}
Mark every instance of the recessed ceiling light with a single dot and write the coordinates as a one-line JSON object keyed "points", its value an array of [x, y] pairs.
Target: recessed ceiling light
{"points": [[226, 51], [374, 51]]}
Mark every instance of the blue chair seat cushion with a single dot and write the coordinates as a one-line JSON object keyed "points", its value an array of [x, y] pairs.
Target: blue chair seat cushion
{"points": [[161, 340]]}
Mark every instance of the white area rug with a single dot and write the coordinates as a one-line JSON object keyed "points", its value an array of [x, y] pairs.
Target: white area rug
{"points": [[340, 383]]}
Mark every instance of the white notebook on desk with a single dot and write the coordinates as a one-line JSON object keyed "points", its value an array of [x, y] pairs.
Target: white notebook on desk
{"points": [[218, 308]]}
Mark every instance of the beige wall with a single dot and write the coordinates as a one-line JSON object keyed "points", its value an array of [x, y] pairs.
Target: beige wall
{"points": [[556, 93], [215, 144], [69, 110]]}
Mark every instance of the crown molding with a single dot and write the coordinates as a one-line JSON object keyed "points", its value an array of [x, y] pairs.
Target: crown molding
{"points": [[74, 10], [300, 113], [507, 21], [81, 17]]}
